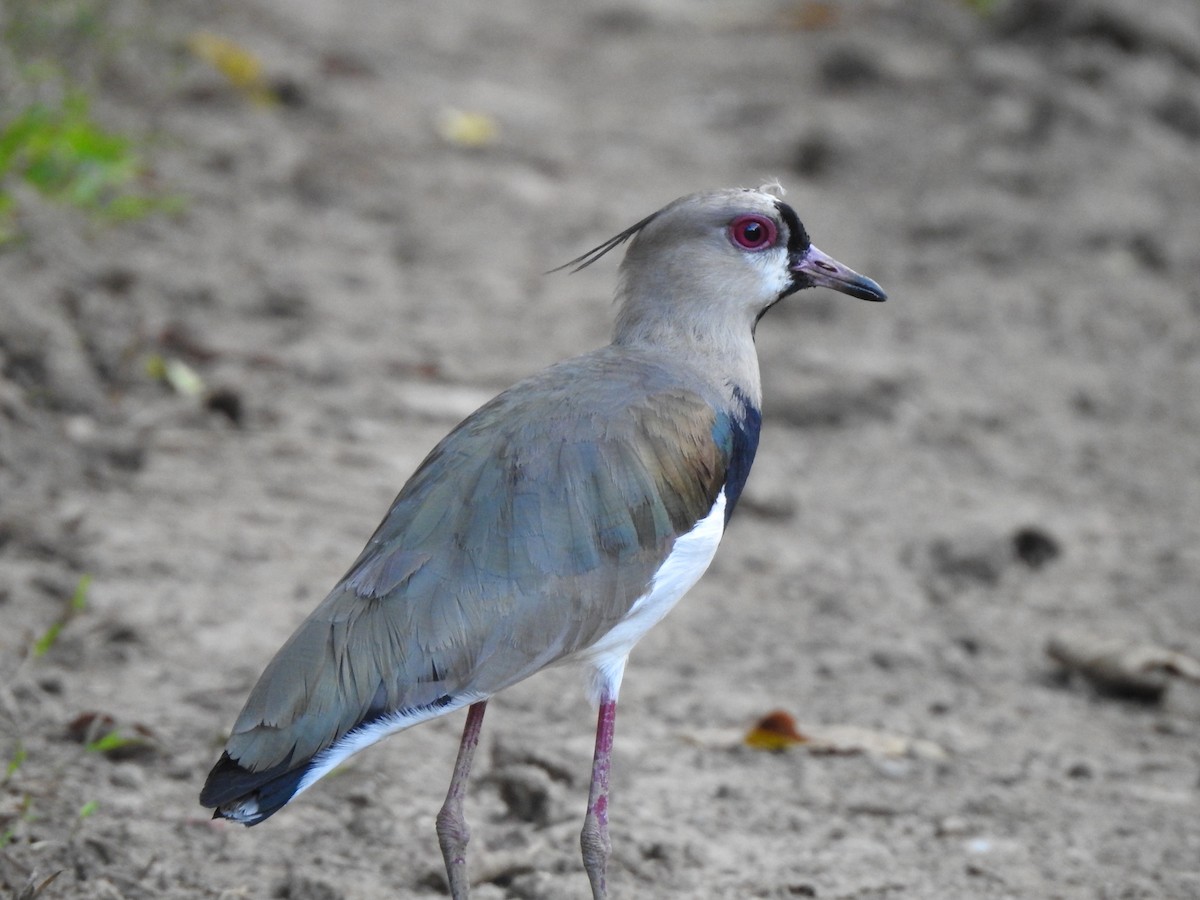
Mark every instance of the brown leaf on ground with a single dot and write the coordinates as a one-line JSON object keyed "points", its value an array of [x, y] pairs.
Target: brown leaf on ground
{"points": [[777, 731], [774, 731]]}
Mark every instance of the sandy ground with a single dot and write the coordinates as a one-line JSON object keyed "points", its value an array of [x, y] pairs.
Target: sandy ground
{"points": [[1007, 450]]}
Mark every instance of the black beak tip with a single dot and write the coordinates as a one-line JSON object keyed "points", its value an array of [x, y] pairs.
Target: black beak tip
{"points": [[873, 292]]}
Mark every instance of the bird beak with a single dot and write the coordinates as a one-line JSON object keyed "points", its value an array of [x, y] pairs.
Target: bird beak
{"points": [[812, 268]]}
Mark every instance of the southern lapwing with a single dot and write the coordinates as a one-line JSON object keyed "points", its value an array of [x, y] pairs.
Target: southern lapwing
{"points": [[557, 523]]}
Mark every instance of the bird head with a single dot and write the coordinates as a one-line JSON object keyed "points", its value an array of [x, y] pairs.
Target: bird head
{"points": [[721, 257]]}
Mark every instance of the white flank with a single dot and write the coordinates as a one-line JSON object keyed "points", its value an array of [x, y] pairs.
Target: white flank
{"points": [[361, 738], [688, 560]]}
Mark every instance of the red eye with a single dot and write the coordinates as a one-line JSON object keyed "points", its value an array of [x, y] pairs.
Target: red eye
{"points": [[753, 232]]}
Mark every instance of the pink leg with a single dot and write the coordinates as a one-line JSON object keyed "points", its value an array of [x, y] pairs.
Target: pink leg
{"points": [[595, 841], [452, 830]]}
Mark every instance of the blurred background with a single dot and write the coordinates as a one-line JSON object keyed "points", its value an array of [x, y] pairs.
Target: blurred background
{"points": [[257, 257]]}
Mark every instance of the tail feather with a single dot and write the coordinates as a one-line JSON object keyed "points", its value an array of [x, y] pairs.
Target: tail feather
{"points": [[243, 795], [247, 797]]}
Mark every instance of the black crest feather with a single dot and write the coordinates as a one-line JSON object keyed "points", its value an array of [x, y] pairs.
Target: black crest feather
{"points": [[582, 262]]}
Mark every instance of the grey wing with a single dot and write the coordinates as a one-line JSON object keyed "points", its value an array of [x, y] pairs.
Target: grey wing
{"points": [[523, 537]]}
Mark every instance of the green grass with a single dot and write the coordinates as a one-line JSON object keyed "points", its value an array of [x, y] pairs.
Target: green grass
{"points": [[61, 152], [74, 606], [985, 7], [53, 147], [111, 741], [18, 760]]}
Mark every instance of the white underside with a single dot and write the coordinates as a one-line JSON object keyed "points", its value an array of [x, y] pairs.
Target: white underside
{"points": [[246, 811], [361, 738], [688, 560]]}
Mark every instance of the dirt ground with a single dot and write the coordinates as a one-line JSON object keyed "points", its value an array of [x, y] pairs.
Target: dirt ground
{"points": [[1006, 451]]}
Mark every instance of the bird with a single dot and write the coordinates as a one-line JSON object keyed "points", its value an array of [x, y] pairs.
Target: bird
{"points": [[557, 523]]}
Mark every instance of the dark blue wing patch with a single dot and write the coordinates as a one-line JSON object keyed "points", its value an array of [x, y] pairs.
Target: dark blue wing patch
{"points": [[736, 432]]}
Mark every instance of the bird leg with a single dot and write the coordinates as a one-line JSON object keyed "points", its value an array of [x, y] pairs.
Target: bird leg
{"points": [[594, 840], [452, 830]]}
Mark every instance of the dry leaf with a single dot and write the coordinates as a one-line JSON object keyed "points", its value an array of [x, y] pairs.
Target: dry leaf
{"points": [[176, 374], [814, 15], [854, 739], [241, 68], [774, 731], [471, 130], [777, 731], [1121, 666]]}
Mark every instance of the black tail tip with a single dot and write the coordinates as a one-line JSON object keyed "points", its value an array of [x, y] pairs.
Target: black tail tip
{"points": [[240, 795]]}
